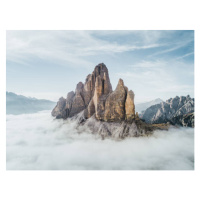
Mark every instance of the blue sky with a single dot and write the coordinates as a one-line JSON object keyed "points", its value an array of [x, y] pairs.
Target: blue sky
{"points": [[49, 64]]}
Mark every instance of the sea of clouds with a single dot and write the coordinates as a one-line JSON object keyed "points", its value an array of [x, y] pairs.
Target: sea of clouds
{"points": [[39, 142]]}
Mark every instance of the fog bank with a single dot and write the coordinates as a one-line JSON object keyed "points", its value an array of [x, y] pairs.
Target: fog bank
{"points": [[38, 142]]}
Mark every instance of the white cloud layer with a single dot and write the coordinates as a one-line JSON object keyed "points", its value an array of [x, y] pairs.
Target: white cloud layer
{"points": [[38, 142]]}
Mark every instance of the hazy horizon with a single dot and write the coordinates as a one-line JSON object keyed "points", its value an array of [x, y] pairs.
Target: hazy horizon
{"points": [[63, 96], [49, 64]]}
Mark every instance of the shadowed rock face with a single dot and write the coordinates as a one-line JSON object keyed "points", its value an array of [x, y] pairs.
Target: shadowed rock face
{"points": [[59, 111], [96, 98], [173, 110], [78, 102], [186, 120], [108, 113], [69, 102]]}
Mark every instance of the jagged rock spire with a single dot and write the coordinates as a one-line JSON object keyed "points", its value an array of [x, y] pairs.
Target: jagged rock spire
{"points": [[95, 96], [130, 106], [115, 103]]}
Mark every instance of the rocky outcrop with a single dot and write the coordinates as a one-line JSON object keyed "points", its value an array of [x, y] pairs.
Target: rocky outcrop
{"points": [[89, 96], [115, 103], [117, 130], [96, 97], [69, 101], [172, 108], [130, 106], [102, 90], [59, 110], [186, 120], [112, 129], [78, 101], [95, 106]]}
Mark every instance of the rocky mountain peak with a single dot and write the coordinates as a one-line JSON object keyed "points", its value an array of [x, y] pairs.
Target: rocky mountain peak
{"points": [[100, 69], [61, 99], [166, 111], [70, 95], [95, 97], [120, 84], [79, 87]]}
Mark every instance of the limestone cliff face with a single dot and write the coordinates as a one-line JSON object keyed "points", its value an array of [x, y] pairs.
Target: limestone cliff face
{"points": [[78, 102], [96, 98], [115, 103], [130, 106]]}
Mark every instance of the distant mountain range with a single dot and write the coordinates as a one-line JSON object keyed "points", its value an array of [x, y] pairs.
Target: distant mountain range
{"points": [[18, 104], [143, 106], [178, 110]]}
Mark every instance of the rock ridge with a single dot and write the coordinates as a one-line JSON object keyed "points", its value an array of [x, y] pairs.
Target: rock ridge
{"points": [[173, 110]]}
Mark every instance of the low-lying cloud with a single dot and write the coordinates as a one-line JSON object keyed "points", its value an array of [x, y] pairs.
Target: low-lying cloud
{"points": [[38, 142]]}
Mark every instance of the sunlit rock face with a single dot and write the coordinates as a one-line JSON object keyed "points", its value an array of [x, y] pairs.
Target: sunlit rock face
{"points": [[95, 106], [130, 106], [95, 97], [115, 103]]}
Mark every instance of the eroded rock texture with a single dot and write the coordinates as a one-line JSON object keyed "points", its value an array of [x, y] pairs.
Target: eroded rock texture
{"points": [[115, 103], [95, 106], [173, 110], [130, 106], [95, 97], [59, 110], [186, 120]]}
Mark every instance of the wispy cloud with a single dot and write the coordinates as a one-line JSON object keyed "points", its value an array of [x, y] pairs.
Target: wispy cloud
{"points": [[146, 64], [159, 77], [172, 47], [63, 46], [147, 60], [186, 55]]}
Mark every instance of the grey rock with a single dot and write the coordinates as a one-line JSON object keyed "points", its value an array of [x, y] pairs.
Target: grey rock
{"points": [[59, 111], [186, 120], [165, 111], [95, 96], [112, 129], [87, 97], [78, 103], [104, 112]]}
